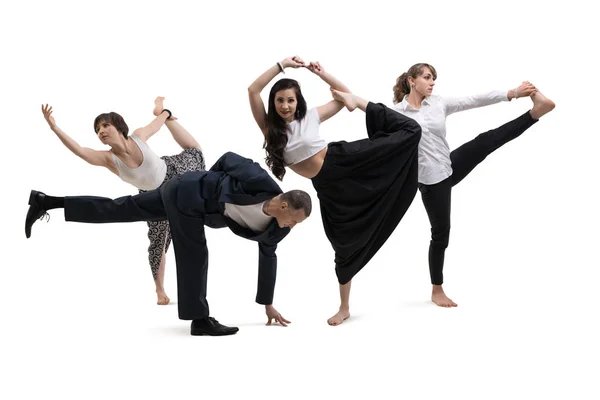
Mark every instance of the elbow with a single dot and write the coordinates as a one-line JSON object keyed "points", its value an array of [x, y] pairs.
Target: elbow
{"points": [[415, 130]]}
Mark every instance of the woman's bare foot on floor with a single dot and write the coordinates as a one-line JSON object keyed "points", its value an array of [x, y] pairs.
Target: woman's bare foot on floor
{"points": [[162, 299], [439, 297], [342, 315]]}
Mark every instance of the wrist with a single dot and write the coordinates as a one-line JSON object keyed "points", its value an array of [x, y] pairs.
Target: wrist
{"points": [[281, 66], [168, 112]]}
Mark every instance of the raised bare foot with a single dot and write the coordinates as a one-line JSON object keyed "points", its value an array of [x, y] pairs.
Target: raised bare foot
{"points": [[439, 297], [158, 105], [541, 105], [346, 98], [162, 299], [342, 315]]}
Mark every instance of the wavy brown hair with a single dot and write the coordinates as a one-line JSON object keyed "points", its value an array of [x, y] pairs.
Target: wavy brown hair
{"points": [[402, 87], [276, 138]]}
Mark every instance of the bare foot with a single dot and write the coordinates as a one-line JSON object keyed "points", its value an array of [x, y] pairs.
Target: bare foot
{"points": [[346, 98], [541, 105], [163, 299], [158, 105], [342, 315], [439, 297]]}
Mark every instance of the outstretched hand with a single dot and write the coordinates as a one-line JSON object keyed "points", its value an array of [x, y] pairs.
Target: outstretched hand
{"points": [[273, 314], [294, 62], [47, 111], [526, 89]]}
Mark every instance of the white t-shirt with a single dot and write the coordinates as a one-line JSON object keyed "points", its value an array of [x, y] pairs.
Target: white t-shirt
{"points": [[251, 217], [303, 138]]}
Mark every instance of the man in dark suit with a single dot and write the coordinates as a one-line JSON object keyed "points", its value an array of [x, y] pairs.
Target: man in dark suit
{"points": [[236, 192]]}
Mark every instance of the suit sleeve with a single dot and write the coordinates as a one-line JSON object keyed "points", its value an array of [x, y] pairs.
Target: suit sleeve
{"points": [[250, 175], [239, 168], [267, 273]]}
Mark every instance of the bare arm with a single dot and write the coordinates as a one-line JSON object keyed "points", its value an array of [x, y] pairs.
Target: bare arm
{"points": [[328, 110], [94, 157], [256, 104], [147, 131]]}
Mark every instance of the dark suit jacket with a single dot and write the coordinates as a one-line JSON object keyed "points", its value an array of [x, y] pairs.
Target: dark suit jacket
{"points": [[236, 180]]}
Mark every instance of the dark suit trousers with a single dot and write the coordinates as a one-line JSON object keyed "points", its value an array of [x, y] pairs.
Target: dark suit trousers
{"points": [[187, 231], [437, 197]]}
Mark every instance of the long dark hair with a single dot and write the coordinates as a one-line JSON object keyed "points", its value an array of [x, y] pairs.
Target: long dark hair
{"points": [[276, 138], [402, 87]]}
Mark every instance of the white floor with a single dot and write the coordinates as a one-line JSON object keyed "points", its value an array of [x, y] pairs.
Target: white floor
{"points": [[77, 303]]}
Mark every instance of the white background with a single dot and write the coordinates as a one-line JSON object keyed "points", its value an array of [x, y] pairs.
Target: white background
{"points": [[77, 301]]}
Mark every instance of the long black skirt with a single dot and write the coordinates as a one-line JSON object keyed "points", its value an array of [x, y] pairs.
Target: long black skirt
{"points": [[365, 187]]}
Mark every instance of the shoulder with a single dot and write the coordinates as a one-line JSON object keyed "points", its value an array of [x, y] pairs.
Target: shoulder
{"points": [[136, 136], [313, 115], [276, 235], [438, 101]]}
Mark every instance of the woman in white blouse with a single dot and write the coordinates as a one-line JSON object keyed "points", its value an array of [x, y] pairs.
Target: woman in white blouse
{"points": [[440, 169], [364, 187]]}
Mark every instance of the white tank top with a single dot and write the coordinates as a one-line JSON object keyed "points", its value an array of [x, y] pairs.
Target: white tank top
{"points": [[149, 175], [303, 138]]}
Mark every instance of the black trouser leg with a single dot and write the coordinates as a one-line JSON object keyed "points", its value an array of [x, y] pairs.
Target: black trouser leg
{"points": [[191, 256], [381, 119], [470, 154], [146, 206], [436, 199]]}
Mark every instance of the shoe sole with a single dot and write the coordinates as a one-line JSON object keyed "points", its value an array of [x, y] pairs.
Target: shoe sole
{"points": [[196, 333]]}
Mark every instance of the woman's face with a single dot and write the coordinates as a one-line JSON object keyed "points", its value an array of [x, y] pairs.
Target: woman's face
{"points": [[285, 104], [423, 84], [107, 133]]}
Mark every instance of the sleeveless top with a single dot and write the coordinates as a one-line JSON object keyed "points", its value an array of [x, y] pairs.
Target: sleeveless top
{"points": [[149, 175]]}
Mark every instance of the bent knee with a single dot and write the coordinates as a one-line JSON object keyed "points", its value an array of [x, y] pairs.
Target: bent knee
{"points": [[441, 238]]}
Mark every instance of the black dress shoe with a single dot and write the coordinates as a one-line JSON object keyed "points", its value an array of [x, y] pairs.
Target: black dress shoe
{"points": [[36, 210], [211, 327]]}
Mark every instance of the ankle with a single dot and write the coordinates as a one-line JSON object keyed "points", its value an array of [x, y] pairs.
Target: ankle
{"points": [[51, 202], [437, 289]]}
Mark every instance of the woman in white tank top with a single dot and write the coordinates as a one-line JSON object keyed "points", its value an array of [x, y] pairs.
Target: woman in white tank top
{"points": [[133, 161]]}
